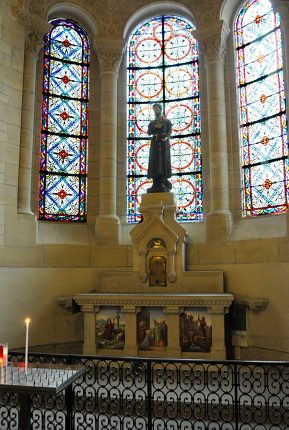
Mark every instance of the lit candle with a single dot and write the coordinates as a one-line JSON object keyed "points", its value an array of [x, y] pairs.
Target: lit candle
{"points": [[27, 322], [5, 354], [1, 355]]}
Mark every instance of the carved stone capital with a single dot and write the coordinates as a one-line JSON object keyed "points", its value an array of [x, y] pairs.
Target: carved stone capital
{"points": [[172, 277], [110, 53], [213, 42], [33, 43], [129, 309], [172, 310], [88, 308], [35, 27]]}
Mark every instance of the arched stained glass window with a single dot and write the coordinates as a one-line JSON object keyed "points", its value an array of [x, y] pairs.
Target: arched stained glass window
{"points": [[63, 158], [163, 67], [263, 128]]}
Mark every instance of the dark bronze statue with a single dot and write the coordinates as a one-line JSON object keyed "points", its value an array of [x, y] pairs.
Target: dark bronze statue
{"points": [[159, 169]]}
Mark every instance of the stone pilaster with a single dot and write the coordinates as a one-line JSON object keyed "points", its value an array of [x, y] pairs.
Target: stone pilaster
{"points": [[27, 124], [213, 47], [20, 222], [89, 339], [217, 313], [130, 330], [107, 222], [173, 322]]}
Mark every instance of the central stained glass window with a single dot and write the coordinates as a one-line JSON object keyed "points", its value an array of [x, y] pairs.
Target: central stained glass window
{"points": [[263, 127], [63, 154], [163, 67]]}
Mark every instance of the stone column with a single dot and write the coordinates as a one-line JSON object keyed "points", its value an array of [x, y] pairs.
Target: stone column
{"points": [[107, 222], [130, 348], [173, 322], [27, 125], [282, 7], [35, 32], [89, 329], [20, 223], [212, 46]]}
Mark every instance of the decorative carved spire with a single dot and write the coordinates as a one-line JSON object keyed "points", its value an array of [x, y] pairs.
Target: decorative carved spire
{"points": [[109, 53], [213, 42]]}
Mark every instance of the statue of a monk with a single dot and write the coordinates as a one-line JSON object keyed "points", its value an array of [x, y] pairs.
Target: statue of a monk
{"points": [[159, 169]]}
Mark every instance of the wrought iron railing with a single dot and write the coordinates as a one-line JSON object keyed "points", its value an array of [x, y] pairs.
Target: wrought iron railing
{"points": [[161, 394]]}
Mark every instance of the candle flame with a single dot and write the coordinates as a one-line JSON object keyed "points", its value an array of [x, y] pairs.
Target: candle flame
{"points": [[27, 321]]}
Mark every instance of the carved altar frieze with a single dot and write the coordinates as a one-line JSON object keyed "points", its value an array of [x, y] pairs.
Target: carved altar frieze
{"points": [[132, 302]]}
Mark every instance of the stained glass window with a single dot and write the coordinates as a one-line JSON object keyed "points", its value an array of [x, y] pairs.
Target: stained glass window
{"points": [[263, 127], [163, 67], [62, 184]]}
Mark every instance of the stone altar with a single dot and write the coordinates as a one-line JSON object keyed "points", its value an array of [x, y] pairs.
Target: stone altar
{"points": [[158, 308]]}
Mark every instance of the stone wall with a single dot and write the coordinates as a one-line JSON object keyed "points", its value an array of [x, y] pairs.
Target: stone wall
{"points": [[41, 261]]}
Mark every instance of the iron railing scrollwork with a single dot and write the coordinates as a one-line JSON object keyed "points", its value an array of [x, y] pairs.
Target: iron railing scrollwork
{"points": [[159, 394]]}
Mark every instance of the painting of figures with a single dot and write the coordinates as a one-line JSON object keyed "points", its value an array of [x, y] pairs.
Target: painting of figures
{"points": [[110, 328], [195, 330], [152, 329]]}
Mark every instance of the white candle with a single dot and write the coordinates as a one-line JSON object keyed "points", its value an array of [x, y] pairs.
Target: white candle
{"points": [[27, 322]]}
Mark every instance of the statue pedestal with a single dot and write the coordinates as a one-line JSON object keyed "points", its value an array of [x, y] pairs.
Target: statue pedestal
{"points": [[159, 246]]}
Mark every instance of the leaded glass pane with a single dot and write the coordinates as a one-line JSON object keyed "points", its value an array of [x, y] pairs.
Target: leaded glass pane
{"points": [[64, 193], [263, 127], [65, 79], [62, 186], [163, 67], [267, 60], [268, 192]]}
